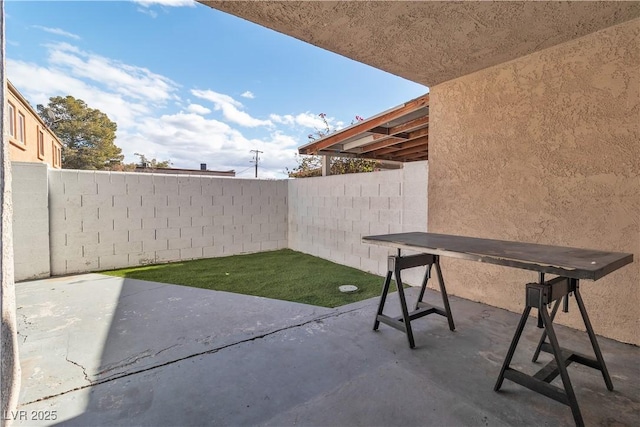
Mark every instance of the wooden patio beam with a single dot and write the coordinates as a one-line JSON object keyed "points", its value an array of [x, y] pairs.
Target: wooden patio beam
{"points": [[407, 144], [379, 145], [415, 156], [370, 139], [412, 158], [410, 126], [418, 133], [365, 125], [380, 130], [336, 154], [408, 151], [383, 144]]}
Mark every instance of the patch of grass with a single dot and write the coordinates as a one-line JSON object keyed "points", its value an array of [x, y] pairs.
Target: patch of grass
{"points": [[283, 274]]}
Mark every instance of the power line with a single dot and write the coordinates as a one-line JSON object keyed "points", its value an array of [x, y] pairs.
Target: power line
{"points": [[243, 171], [257, 159]]}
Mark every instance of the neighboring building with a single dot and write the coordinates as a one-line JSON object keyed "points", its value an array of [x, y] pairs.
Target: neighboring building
{"points": [[174, 171], [30, 140]]}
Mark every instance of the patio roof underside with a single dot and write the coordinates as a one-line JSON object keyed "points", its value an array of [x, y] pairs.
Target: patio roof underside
{"points": [[400, 134], [430, 42]]}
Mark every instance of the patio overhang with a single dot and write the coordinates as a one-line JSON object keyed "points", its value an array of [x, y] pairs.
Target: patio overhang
{"points": [[400, 134], [430, 42]]}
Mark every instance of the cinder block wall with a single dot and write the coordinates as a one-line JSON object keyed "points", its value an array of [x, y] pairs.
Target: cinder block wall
{"points": [[329, 215], [30, 220], [101, 220], [104, 220]]}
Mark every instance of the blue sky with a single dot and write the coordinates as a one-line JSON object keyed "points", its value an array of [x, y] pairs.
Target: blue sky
{"points": [[188, 83]]}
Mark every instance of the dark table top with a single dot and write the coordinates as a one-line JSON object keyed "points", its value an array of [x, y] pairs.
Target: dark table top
{"points": [[563, 261]]}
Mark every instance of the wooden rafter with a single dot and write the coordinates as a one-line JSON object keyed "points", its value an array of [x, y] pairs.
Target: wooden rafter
{"points": [[378, 143], [380, 130], [399, 135], [407, 151], [366, 125], [410, 126], [416, 156], [387, 147], [423, 140]]}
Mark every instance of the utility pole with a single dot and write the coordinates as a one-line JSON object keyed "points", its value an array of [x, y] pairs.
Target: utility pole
{"points": [[257, 159]]}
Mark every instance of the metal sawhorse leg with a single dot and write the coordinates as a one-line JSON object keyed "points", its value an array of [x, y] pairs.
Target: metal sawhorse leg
{"points": [[539, 295], [403, 323]]}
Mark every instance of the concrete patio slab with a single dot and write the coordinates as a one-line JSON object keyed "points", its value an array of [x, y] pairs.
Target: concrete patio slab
{"points": [[85, 329], [301, 366]]}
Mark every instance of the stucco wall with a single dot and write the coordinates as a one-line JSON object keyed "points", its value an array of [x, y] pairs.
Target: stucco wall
{"points": [[545, 149], [9, 357], [30, 220], [27, 150], [104, 220], [329, 215]]}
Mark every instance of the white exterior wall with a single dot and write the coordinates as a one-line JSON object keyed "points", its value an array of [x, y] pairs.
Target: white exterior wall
{"points": [[105, 220], [328, 216], [30, 220]]}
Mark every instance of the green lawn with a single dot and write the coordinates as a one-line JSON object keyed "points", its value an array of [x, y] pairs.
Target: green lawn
{"points": [[282, 274]]}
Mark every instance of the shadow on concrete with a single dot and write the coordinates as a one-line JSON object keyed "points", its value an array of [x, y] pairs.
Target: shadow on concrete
{"points": [[100, 350]]}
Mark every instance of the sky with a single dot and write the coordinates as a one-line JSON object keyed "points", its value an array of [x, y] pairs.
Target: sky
{"points": [[190, 84]]}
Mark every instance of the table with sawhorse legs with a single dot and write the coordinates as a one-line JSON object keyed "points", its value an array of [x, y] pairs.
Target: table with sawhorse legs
{"points": [[570, 265]]}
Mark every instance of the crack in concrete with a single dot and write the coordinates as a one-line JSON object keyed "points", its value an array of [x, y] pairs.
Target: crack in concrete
{"points": [[165, 349], [26, 320], [27, 323], [84, 371], [191, 356], [132, 360]]}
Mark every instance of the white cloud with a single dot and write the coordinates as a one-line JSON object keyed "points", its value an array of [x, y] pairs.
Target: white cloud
{"points": [[146, 6], [310, 120], [230, 108], [38, 84], [123, 92], [307, 120], [198, 109], [248, 94], [133, 97], [169, 3], [219, 99], [287, 119], [128, 80], [190, 139], [152, 13], [57, 31]]}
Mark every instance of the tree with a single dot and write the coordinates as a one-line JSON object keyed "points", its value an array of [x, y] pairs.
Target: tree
{"points": [[87, 134], [309, 165], [153, 163]]}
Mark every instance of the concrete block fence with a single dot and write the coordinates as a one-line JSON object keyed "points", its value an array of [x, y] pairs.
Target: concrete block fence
{"points": [[328, 216], [30, 220], [69, 221]]}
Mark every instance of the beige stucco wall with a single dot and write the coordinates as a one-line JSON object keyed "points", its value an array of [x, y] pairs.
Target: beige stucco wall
{"points": [[545, 149]]}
